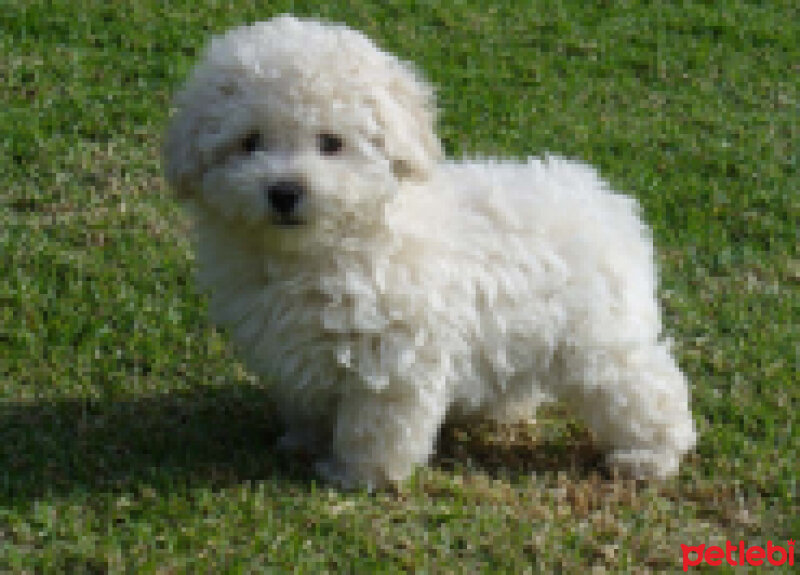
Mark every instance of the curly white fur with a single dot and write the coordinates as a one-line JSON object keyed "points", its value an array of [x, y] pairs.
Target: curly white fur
{"points": [[393, 286]]}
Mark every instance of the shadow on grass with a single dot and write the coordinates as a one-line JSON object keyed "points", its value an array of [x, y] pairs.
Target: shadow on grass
{"points": [[211, 436], [512, 451]]}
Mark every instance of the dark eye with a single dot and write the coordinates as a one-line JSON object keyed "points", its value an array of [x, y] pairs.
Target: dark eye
{"points": [[329, 144], [251, 142]]}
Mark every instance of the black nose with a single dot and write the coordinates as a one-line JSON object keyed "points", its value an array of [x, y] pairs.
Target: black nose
{"points": [[284, 196]]}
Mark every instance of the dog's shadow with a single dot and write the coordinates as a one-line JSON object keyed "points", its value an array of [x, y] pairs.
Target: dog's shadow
{"points": [[207, 436]]}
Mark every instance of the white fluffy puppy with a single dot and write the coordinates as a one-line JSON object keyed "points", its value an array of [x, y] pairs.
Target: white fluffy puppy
{"points": [[379, 287]]}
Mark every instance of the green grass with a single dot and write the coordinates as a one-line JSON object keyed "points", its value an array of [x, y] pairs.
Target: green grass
{"points": [[131, 440]]}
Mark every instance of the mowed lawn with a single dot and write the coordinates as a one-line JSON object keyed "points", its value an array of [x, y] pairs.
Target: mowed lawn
{"points": [[131, 439]]}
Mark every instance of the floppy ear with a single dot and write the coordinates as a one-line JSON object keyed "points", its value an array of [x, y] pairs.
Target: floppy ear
{"points": [[207, 110], [405, 109]]}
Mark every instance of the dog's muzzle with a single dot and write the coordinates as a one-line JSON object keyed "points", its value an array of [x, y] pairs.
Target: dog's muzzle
{"points": [[284, 198]]}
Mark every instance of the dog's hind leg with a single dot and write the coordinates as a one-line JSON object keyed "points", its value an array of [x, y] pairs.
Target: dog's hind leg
{"points": [[635, 400]]}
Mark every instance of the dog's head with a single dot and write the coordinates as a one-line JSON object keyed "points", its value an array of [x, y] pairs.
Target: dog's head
{"points": [[295, 123]]}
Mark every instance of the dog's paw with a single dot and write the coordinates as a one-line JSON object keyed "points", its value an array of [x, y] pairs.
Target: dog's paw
{"points": [[345, 477], [644, 463]]}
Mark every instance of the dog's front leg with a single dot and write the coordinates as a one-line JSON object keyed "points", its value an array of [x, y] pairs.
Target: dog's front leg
{"points": [[380, 436]]}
